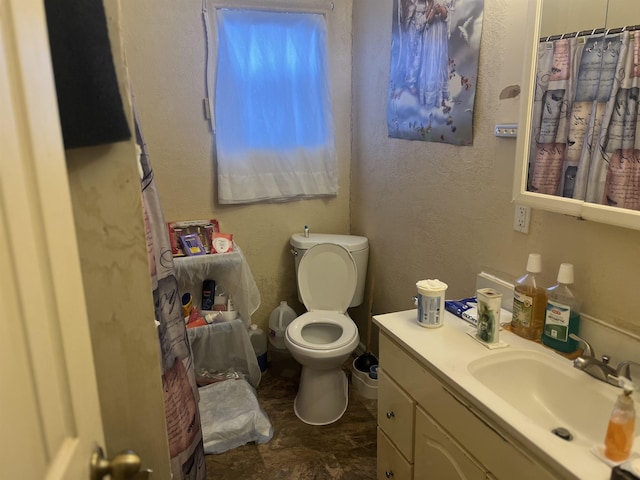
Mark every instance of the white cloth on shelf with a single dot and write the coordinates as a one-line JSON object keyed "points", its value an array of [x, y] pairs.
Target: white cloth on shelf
{"points": [[230, 270], [224, 346]]}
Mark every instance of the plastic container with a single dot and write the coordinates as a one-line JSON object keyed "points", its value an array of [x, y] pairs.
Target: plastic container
{"points": [[364, 384], [563, 314], [259, 342], [430, 301], [279, 320], [619, 438], [187, 304], [529, 301]]}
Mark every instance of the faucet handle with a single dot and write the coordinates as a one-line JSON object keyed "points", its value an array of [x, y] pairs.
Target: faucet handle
{"points": [[624, 369], [606, 359], [588, 350]]}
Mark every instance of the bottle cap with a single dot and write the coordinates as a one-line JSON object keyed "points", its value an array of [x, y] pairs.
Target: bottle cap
{"points": [[565, 274], [534, 263]]}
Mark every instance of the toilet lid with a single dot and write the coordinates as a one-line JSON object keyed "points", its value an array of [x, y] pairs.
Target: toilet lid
{"points": [[327, 278], [295, 331]]}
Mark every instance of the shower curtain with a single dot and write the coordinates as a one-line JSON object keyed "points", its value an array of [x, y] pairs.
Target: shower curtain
{"points": [[178, 378], [585, 139]]}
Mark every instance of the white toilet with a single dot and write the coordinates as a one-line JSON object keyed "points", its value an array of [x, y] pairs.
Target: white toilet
{"points": [[331, 272]]}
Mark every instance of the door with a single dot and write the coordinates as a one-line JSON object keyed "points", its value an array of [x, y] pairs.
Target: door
{"points": [[71, 326], [49, 407]]}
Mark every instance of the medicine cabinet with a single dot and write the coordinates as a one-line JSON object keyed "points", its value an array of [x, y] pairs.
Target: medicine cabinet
{"points": [[578, 146]]}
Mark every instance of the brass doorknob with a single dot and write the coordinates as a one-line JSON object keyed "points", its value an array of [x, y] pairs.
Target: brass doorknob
{"points": [[124, 466]]}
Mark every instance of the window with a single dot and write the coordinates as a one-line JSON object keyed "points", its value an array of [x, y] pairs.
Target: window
{"points": [[273, 120]]}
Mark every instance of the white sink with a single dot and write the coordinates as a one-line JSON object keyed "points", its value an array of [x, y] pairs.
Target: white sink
{"points": [[550, 392]]}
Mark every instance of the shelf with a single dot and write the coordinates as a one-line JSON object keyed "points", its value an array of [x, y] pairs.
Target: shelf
{"points": [[230, 270]]}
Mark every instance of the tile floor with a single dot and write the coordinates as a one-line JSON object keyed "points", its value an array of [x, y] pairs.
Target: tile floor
{"points": [[344, 450]]}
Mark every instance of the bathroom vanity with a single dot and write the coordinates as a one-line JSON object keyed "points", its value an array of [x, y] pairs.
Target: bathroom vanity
{"points": [[449, 407]]}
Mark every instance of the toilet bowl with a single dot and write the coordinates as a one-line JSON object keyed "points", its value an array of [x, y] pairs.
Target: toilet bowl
{"points": [[322, 339]]}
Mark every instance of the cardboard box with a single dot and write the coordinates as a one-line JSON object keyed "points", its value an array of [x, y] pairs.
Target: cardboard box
{"points": [[203, 228]]}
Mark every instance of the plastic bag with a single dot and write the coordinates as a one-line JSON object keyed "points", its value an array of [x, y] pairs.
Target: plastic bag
{"points": [[223, 346], [231, 416]]}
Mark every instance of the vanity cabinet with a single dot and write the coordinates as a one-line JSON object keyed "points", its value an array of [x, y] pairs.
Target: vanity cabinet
{"points": [[429, 430], [439, 456]]}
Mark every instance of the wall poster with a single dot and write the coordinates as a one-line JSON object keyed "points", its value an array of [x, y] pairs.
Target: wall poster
{"points": [[434, 70]]}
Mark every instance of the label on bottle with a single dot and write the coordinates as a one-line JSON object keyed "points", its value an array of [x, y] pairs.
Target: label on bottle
{"points": [[522, 308], [556, 323], [429, 311]]}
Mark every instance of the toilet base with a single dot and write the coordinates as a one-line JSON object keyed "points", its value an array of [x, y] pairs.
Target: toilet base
{"points": [[323, 396]]}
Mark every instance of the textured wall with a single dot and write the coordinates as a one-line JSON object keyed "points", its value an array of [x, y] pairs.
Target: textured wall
{"points": [[439, 211], [166, 55], [430, 210]]}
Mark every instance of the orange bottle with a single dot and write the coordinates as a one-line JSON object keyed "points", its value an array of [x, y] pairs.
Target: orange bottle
{"points": [[529, 301], [619, 438]]}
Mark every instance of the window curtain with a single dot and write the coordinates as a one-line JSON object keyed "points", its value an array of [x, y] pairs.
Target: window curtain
{"points": [[273, 122], [585, 137]]}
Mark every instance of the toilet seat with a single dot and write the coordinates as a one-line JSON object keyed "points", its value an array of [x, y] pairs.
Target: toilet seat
{"points": [[295, 329], [327, 278]]}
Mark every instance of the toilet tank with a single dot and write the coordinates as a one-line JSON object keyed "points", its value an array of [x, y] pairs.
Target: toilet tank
{"points": [[357, 246]]}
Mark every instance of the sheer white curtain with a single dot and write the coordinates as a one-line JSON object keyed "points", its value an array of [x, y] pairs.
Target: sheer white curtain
{"points": [[273, 123]]}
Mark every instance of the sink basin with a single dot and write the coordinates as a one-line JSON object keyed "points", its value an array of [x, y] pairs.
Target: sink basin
{"points": [[550, 392]]}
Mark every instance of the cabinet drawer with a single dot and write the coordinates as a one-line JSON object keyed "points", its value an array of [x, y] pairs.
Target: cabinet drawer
{"points": [[492, 447], [391, 463], [396, 414], [438, 456]]}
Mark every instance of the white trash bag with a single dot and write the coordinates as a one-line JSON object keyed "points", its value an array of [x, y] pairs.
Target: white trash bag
{"points": [[231, 416]]}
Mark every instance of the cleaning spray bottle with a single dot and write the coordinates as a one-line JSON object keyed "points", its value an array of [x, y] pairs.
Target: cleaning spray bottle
{"points": [[529, 301], [619, 438], [562, 315]]}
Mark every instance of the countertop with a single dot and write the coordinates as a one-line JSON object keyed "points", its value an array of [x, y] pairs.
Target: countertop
{"points": [[447, 351]]}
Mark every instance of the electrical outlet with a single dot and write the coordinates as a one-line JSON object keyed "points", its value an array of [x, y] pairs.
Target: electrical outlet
{"points": [[521, 219]]}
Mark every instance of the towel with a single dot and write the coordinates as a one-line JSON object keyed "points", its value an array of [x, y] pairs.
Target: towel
{"points": [[89, 101]]}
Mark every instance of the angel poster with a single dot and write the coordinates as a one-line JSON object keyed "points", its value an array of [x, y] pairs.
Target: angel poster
{"points": [[433, 74]]}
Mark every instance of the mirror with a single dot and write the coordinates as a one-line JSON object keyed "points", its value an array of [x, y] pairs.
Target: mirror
{"points": [[578, 147]]}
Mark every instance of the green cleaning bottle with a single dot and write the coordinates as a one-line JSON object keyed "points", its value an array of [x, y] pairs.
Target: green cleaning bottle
{"points": [[562, 315]]}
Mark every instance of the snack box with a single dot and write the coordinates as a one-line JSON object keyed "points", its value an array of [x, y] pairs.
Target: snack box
{"points": [[203, 228]]}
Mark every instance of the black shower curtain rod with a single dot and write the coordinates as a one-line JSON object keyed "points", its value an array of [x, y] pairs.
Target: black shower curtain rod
{"points": [[596, 31]]}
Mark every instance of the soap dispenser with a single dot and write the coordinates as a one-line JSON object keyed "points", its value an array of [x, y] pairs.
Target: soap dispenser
{"points": [[619, 438]]}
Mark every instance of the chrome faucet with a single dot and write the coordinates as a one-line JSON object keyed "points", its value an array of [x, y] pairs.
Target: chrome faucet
{"points": [[588, 363]]}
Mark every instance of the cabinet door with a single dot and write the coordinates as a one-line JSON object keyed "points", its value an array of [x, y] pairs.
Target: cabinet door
{"points": [[391, 463], [395, 414], [438, 456]]}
